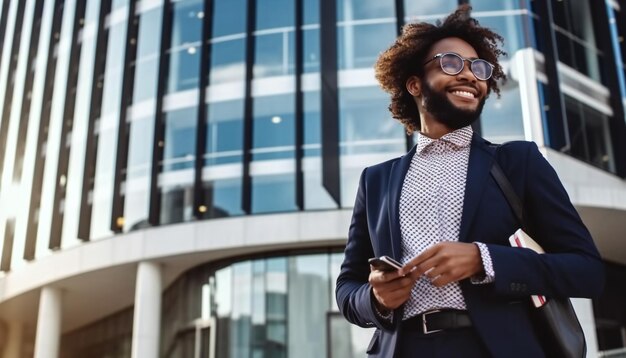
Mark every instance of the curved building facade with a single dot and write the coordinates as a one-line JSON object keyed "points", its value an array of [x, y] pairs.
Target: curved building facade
{"points": [[177, 176]]}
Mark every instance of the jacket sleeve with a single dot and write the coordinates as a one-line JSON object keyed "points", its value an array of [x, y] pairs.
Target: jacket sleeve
{"points": [[353, 292], [572, 266]]}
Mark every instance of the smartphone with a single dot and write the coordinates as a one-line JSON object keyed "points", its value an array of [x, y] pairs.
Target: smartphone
{"points": [[384, 263]]}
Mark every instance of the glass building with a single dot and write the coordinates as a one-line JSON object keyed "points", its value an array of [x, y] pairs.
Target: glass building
{"points": [[177, 176]]}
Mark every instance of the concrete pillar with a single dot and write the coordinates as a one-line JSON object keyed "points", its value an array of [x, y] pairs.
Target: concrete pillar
{"points": [[147, 315], [48, 336], [584, 311], [13, 339]]}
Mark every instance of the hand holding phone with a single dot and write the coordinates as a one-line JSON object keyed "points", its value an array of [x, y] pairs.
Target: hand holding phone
{"points": [[384, 263]]}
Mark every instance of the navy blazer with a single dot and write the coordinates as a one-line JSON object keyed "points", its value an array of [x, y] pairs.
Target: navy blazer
{"points": [[499, 310]]}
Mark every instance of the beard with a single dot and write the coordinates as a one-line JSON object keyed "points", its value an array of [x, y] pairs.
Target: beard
{"points": [[445, 112]]}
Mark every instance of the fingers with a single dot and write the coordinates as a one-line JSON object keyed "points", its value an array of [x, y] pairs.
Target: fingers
{"points": [[390, 289], [383, 276], [386, 282], [419, 259], [446, 262], [393, 294]]}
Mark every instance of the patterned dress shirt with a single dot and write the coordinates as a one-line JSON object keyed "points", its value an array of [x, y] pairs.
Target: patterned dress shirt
{"points": [[431, 206]]}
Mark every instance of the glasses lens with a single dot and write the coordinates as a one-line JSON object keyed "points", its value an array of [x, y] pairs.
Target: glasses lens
{"points": [[451, 63], [481, 69]]}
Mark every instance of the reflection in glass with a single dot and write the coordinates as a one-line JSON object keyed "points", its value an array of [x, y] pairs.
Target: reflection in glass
{"points": [[365, 123], [222, 159], [489, 5], [589, 134], [336, 259], [274, 54], [137, 184], [221, 177], [315, 195], [501, 120], [107, 127], [311, 49], [266, 14], [240, 328], [308, 303], [184, 60], [258, 309], [346, 340], [510, 27], [223, 310], [575, 37], [80, 127], [176, 177], [141, 121], [229, 17], [416, 9], [360, 44], [180, 139], [273, 155], [366, 127], [311, 11], [228, 62], [348, 10], [276, 306], [273, 151], [264, 307]]}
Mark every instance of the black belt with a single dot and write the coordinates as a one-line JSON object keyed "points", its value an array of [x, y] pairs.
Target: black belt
{"points": [[437, 320]]}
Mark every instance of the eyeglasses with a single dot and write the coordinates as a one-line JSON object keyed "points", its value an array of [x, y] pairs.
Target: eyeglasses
{"points": [[452, 64]]}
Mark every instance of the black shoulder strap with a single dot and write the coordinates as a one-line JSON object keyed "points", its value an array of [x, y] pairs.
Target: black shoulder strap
{"points": [[507, 189]]}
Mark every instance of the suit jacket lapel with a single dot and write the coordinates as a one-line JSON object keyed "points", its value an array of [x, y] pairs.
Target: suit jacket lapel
{"points": [[396, 179], [479, 166]]}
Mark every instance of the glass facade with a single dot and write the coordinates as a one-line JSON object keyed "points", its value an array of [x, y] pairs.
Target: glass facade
{"points": [[240, 133], [108, 122], [262, 307], [109, 337], [142, 117]]}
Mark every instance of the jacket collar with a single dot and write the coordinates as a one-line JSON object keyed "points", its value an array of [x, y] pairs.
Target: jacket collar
{"points": [[480, 160]]}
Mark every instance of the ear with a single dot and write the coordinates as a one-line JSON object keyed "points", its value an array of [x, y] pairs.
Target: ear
{"points": [[414, 86]]}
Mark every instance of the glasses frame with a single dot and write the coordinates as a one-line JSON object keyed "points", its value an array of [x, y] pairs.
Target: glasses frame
{"points": [[463, 59]]}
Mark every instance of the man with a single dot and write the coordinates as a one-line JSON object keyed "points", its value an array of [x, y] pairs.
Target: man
{"points": [[462, 290]]}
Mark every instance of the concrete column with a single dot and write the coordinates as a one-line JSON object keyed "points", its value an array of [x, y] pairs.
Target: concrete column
{"points": [[48, 336], [584, 311], [13, 339], [147, 315]]}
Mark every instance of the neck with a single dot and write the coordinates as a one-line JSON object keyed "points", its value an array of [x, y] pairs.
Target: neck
{"points": [[432, 128]]}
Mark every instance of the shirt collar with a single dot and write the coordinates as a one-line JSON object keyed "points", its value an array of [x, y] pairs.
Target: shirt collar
{"points": [[459, 138]]}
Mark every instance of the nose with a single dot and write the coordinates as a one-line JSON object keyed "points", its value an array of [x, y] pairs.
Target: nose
{"points": [[466, 73]]}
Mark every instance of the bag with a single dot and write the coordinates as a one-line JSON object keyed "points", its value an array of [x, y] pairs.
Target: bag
{"points": [[555, 323], [558, 329]]}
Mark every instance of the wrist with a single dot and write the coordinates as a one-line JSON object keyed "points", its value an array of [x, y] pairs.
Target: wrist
{"points": [[380, 308]]}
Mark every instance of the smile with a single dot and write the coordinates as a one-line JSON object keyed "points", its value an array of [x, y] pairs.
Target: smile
{"points": [[465, 94]]}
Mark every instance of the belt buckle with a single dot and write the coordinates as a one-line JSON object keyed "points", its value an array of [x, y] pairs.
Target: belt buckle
{"points": [[424, 323]]}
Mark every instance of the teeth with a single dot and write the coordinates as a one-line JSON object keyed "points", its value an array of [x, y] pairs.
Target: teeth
{"points": [[464, 94]]}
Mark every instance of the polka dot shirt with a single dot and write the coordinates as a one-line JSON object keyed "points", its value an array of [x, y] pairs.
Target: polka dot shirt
{"points": [[431, 206]]}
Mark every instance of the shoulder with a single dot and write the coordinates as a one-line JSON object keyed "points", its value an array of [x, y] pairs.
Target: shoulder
{"points": [[518, 146], [384, 166], [517, 151], [383, 169]]}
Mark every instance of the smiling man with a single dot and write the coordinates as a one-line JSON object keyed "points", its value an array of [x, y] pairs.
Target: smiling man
{"points": [[461, 291]]}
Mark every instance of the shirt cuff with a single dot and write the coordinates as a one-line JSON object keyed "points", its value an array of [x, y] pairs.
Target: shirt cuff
{"points": [[490, 275]]}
